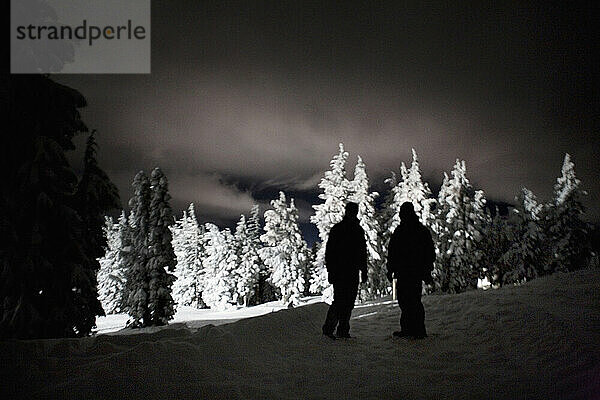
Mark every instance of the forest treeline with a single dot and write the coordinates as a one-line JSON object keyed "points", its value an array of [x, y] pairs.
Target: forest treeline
{"points": [[63, 262], [218, 268]]}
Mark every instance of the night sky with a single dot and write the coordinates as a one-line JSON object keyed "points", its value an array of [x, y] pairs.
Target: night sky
{"points": [[247, 98]]}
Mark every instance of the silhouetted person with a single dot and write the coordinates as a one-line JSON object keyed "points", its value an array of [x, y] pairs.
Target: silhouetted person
{"points": [[410, 260], [345, 256]]}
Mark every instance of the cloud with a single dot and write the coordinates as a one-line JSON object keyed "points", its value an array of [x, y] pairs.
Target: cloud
{"points": [[211, 196], [307, 183], [268, 102]]}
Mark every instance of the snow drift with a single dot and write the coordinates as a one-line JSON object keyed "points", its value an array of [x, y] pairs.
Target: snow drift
{"points": [[537, 341]]}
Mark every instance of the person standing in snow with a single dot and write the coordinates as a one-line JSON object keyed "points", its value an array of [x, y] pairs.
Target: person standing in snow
{"points": [[410, 260], [345, 256]]}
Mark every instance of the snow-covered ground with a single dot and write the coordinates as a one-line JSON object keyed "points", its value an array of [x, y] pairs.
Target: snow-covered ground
{"points": [[537, 341], [193, 318]]}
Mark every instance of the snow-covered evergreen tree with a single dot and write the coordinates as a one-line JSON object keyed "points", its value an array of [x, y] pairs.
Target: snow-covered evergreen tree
{"points": [[409, 187], [441, 237], [459, 222], [335, 187], [377, 284], [529, 205], [126, 255], [50, 223], [219, 266], [162, 258], [248, 268], [495, 243], [284, 250], [189, 250], [526, 255], [95, 196], [309, 267], [111, 276], [263, 291], [389, 208], [567, 232], [137, 286]]}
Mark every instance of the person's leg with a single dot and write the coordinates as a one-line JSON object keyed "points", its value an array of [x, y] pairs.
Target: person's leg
{"points": [[332, 318], [412, 321], [419, 312], [405, 317], [349, 297], [405, 309]]}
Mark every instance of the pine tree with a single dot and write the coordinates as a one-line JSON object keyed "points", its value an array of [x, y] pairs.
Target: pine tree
{"points": [[529, 205], [526, 255], [189, 250], [563, 221], [459, 222], [377, 285], [410, 187], [126, 255], [263, 291], [137, 278], [162, 258], [284, 249], [389, 209], [96, 195], [496, 242], [48, 286], [335, 188], [111, 276], [442, 236], [220, 263], [248, 268], [309, 267]]}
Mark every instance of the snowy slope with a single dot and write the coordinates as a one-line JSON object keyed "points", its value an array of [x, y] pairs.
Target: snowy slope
{"points": [[537, 341], [194, 318]]}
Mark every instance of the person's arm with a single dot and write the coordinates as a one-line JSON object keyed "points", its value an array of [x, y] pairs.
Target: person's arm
{"points": [[429, 256], [331, 255], [362, 255], [392, 256]]}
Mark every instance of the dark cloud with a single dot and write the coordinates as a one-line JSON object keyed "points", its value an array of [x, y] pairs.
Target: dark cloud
{"points": [[248, 98]]}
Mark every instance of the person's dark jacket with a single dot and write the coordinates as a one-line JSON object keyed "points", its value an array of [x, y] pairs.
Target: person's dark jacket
{"points": [[346, 252], [411, 252]]}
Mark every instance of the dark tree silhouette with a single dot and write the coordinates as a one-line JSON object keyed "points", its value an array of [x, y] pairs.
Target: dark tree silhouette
{"points": [[96, 196], [136, 273], [162, 258], [46, 284], [147, 253]]}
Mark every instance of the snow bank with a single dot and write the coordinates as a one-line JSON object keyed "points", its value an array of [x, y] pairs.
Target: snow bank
{"points": [[540, 340], [194, 318]]}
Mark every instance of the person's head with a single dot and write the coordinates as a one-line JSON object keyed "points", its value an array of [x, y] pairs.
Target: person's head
{"points": [[407, 212], [351, 210]]}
